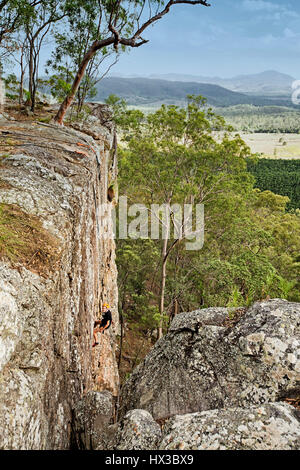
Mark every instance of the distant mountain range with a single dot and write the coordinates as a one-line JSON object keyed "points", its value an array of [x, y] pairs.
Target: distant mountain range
{"points": [[153, 91], [266, 83]]}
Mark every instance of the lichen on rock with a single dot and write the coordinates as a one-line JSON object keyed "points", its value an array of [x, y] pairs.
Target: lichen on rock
{"points": [[201, 364], [272, 426], [138, 431], [54, 274]]}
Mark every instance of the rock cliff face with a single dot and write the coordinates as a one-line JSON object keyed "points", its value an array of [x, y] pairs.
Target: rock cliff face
{"points": [[56, 269], [208, 384]]}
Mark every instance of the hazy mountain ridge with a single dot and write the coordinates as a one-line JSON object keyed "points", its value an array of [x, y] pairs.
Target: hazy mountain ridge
{"points": [[146, 91], [268, 82]]}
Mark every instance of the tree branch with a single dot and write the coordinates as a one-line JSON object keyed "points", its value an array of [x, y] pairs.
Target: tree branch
{"points": [[162, 13], [135, 41]]}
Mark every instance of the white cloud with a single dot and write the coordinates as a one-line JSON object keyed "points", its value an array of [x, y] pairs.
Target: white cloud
{"points": [[270, 7]]}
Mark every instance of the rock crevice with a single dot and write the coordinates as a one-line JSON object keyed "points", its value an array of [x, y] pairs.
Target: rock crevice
{"points": [[55, 184], [214, 387]]}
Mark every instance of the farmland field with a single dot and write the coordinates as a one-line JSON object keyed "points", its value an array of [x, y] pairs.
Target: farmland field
{"points": [[283, 146]]}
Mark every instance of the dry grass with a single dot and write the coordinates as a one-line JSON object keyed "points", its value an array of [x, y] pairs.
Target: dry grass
{"points": [[24, 241], [283, 146], [20, 113], [234, 317]]}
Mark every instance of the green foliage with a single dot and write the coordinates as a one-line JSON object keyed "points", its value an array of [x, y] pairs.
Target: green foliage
{"points": [[279, 176], [136, 262], [11, 86], [80, 28], [236, 299], [59, 85], [85, 23], [252, 244], [12, 16], [127, 120], [262, 119]]}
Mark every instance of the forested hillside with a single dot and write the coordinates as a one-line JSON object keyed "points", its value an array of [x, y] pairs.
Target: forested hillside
{"points": [[145, 91], [280, 177], [171, 155], [268, 119], [269, 82]]}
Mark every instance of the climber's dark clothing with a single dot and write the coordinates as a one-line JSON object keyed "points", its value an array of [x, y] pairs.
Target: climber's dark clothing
{"points": [[106, 317]]}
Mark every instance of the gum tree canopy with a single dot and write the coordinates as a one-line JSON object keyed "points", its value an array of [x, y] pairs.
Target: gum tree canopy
{"points": [[122, 24], [12, 13]]}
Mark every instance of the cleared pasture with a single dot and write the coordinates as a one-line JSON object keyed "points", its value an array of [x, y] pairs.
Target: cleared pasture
{"points": [[283, 146]]}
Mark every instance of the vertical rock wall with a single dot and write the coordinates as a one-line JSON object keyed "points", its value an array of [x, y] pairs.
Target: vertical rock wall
{"points": [[55, 271]]}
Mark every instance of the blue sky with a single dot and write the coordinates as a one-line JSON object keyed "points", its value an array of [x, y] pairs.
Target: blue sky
{"points": [[231, 37]]}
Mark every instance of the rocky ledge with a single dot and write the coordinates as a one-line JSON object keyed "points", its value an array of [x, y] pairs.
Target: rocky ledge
{"points": [[211, 383]]}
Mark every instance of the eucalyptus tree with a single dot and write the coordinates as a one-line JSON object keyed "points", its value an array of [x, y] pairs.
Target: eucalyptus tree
{"points": [[251, 245], [36, 28], [12, 16], [122, 24], [73, 37], [12, 13], [173, 159]]}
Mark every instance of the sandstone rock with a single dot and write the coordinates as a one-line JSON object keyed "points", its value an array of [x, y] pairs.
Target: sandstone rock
{"points": [[56, 177], [138, 431], [97, 124], [92, 416], [273, 426], [201, 365]]}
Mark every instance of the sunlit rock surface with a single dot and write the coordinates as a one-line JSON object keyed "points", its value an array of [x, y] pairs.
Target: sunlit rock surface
{"points": [[58, 177], [202, 365]]}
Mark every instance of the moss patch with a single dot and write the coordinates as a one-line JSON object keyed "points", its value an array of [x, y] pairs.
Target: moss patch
{"points": [[8, 145], [24, 241]]}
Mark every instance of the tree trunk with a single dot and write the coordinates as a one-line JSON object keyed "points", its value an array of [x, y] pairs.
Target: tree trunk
{"points": [[96, 46], [59, 118], [163, 285], [21, 90], [30, 73], [175, 307]]}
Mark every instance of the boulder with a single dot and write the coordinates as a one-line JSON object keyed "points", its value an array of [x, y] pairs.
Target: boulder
{"points": [[203, 365], [274, 426], [97, 114], [91, 418], [138, 431]]}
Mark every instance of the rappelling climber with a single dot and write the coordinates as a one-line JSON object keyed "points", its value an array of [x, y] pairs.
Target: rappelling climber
{"points": [[103, 324]]}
